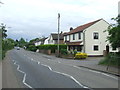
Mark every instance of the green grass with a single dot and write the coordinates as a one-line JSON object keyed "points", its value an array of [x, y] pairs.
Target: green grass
{"points": [[110, 59]]}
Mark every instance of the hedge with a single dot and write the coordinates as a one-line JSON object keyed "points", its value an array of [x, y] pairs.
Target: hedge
{"points": [[32, 48], [51, 47], [6, 45]]}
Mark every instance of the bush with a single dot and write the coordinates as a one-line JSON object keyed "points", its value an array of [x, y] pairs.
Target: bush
{"points": [[51, 47], [64, 51], [32, 48], [80, 55], [111, 59], [75, 51], [6, 45]]}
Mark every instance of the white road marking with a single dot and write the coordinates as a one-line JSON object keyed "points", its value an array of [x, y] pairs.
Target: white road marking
{"points": [[47, 66], [38, 62], [32, 59], [59, 62], [98, 72], [77, 67], [24, 78], [86, 70], [65, 75]]}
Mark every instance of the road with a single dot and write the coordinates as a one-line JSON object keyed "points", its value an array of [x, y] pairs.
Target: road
{"points": [[35, 70]]}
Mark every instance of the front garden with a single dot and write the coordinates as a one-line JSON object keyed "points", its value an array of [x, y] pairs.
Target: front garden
{"points": [[52, 49]]}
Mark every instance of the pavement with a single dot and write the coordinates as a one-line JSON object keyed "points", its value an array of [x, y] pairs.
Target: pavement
{"points": [[10, 74], [90, 63]]}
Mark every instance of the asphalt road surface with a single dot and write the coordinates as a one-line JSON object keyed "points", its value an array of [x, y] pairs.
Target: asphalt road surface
{"points": [[34, 70]]}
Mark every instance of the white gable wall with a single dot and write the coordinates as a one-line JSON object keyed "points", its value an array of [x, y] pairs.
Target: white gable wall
{"points": [[38, 43], [90, 42], [46, 41], [51, 41]]}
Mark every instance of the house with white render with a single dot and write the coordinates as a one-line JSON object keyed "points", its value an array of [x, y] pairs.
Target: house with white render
{"points": [[89, 38], [53, 39]]}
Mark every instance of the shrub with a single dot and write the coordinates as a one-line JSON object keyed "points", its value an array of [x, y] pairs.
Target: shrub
{"points": [[64, 51], [6, 45], [32, 48], [52, 47], [80, 55], [75, 51], [111, 59]]}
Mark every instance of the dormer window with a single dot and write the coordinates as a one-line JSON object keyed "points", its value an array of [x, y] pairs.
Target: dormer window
{"points": [[95, 35]]}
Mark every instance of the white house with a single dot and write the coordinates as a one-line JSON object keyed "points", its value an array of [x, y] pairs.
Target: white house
{"points": [[37, 43], [46, 40], [53, 39], [41, 41], [89, 38]]}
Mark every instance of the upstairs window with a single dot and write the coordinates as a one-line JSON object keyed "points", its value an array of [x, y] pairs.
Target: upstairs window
{"points": [[79, 35], [73, 36], [65, 38], [69, 37], [95, 35]]}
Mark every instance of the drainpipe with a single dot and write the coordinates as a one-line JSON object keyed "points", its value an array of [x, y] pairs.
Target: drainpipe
{"points": [[84, 41]]}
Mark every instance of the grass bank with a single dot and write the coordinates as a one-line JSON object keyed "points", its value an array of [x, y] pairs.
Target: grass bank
{"points": [[112, 59]]}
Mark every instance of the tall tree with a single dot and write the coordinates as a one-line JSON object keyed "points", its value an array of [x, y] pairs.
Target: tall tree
{"points": [[114, 33], [22, 42], [3, 30]]}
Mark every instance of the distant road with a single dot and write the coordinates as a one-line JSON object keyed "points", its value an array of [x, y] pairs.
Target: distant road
{"points": [[34, 70]]}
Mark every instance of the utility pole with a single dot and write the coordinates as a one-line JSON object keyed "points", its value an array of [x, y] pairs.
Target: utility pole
{"points": [[58, 33], [119, 8]]}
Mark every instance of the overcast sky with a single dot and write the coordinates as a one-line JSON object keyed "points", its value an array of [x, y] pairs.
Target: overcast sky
{"points": [[35, 18]]}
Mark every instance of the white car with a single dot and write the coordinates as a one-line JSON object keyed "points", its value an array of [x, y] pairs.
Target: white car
{"points": [[18, 48]]}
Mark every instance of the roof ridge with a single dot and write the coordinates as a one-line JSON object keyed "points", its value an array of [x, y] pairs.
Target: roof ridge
{"points": [[84, 26], [91, 22]]}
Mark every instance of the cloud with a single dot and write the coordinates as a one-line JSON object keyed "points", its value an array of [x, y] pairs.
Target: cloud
{"points": [[34, 18]]}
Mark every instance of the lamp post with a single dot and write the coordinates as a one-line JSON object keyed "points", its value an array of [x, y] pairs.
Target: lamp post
{"points": [[58, 33]]}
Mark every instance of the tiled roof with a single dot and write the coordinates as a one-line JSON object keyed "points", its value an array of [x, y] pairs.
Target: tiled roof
{"points": [[82, 27]]}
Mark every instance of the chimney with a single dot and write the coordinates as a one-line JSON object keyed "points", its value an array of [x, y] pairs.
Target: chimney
{"points": [[71, 28], [61, 32]]}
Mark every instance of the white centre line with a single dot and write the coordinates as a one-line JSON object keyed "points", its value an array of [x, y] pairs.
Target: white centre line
{"points": [[24, 78], [65, 75]]}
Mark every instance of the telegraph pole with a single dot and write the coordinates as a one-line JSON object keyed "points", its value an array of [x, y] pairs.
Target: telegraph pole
{"points": [[58, 33]]}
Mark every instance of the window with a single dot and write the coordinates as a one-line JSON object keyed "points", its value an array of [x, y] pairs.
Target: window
{"points": [[79, 35], [96, 48], [114, 48], [65, 38], [69, 37], [73, 36], [95, 35]]}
